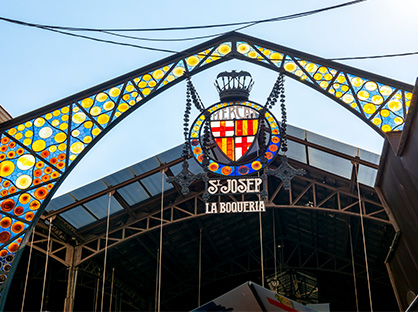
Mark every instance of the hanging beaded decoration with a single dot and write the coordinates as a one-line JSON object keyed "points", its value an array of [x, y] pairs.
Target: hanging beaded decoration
{"points": [[185, 177], [284, 172]]}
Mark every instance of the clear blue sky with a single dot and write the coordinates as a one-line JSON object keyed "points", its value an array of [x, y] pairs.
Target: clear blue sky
{"points": [[40, 67]]}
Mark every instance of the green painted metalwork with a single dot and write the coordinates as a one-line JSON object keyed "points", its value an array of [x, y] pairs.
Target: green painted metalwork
{"points": [[39, 149]]}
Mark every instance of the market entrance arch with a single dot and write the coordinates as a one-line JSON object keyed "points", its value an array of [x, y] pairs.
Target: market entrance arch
{"points": [[40, 148]]}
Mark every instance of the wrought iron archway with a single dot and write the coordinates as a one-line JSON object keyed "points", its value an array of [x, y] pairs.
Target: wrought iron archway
{"points": [[40, 148]]}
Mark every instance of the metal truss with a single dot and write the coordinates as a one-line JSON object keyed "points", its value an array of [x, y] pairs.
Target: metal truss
{"points": [[336, 201], [193, 207], [63, 252]]}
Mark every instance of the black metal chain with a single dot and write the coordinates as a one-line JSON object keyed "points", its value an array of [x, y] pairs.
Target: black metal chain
{"points": [[186, 122], [206, 135], [195, 96], [270, 102], [283, 126], [272, 99]]}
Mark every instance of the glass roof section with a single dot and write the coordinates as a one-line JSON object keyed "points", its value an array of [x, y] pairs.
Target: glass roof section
{"points": [[142, 181]]}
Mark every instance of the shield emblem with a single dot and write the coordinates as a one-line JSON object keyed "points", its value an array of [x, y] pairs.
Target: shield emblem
{"points": [[234, 137]]}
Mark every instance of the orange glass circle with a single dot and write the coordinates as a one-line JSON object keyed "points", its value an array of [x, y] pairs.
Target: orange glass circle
{"points": [[20, 151], [5, 222], [7, 205], [273, 148], [4, 237], [40, 193], [256, 165], [17, 227], [45, 154], [213, 167], [19, 211], [37, 173], [13, 247], [24, 198], [226, 170], [34, 205], [29, 216]]}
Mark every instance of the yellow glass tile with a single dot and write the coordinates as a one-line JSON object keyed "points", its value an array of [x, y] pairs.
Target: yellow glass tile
{"points": [[276, 57], [384, 113], [101, 97], [311, 67], [363, 95], [341, 79], [86, 103], [243, 48], [224, 49], [178, 71], [317, 76], [386, 90], [369, 108], [395, 105], [348, 98], [158, 74], [398, 120], [192, 60], [357, 82], [386, 128], [377, 121], [114, 92], [290, 67], [322, 70]]}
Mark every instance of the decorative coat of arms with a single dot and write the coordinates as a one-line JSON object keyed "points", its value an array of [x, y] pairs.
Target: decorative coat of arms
{"points": [[244, 136], [236, 139]]}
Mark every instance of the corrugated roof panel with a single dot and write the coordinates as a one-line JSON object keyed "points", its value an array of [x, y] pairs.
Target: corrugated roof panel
{"points": [[332, 144], [59, 202], [153, 184], [369, 156], [367, 175], [119, 177], [171, 154], [99, 206], [133, 193], [296, 151], [78, 217], [296, 132], [145, 165], [193, 167], [89, 189], [330, 163]]}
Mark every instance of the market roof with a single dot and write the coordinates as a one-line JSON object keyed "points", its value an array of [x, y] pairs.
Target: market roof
{"points": [[316, 223], [142, 181]]}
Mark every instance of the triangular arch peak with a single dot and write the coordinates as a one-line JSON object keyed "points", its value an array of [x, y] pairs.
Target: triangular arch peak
{"points": [[40, 148]]}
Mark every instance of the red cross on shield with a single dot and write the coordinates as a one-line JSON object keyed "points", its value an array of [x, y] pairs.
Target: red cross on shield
{"points": [[234, 137]]}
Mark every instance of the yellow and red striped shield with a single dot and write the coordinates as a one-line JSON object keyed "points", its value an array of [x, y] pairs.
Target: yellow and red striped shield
{"points": [[234, 137]]}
